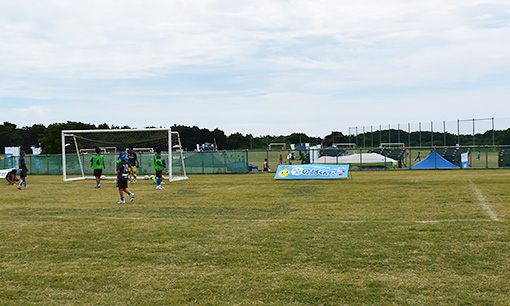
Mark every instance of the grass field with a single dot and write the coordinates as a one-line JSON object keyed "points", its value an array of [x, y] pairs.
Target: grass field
{"points": [[380, 238]]}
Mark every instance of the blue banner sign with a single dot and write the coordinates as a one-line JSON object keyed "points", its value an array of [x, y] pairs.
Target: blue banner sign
{"points": [[464, 160], [311, 172]]}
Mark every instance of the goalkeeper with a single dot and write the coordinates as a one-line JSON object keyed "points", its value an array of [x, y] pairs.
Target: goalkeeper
{"points": [[133, 163], [159, 165]]}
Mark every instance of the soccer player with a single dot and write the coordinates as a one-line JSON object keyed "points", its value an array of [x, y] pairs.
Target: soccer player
{"points": [[418, 158], [23, 172], [133, 163], [159, 165], [11, 177], [122, 178], [97, 164]]}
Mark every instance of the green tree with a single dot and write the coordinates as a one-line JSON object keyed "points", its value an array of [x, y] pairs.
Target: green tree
{"points": [[52, 141], [238, 141], [32, 136], [9, 136], [503, 137]]}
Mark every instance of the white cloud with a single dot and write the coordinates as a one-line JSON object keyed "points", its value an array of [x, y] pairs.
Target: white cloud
{"points": [[28, 115], [234, 57]]}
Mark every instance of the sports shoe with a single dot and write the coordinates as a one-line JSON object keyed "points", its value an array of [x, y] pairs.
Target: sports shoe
{"points": [[98, 186], [132, 196], [19, 187], [121, 202], [160, 187]]}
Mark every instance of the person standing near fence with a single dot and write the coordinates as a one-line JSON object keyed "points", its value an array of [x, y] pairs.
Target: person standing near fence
{"points": [[23, 171], [418, 158]]}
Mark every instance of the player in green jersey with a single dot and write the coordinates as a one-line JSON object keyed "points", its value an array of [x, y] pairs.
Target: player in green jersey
{"points": [[97, 164]]}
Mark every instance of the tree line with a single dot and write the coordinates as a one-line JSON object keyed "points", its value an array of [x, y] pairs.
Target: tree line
{"points": [[49, 137]]}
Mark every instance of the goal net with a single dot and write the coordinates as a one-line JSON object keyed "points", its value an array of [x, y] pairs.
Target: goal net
{"points": [[78, 147]]}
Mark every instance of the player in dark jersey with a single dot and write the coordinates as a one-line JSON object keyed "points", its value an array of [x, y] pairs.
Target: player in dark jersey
{"points": [[11, 177], [23, 171], [133, 163], [122, 178]]}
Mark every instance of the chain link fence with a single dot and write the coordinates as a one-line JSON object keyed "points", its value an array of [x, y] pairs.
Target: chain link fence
{"points": [[391, 158], [252, 161], [195, 162]]}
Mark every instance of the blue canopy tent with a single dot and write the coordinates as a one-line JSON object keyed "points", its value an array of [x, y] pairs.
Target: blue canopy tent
{"points": [[332, 151], [434, 161]]}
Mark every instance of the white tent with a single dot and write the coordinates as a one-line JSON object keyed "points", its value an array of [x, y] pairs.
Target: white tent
{"points": [[363, 158]]}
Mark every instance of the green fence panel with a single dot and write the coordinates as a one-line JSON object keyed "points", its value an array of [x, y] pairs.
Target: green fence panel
{"points": [[195, 162]]}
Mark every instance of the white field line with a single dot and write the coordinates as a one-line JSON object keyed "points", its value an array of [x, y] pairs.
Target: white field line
{"points": [[302, 220], [39, 217], [482, 201]]}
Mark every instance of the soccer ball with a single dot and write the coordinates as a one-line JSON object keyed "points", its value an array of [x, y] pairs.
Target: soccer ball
{"points": [[146, 177]]}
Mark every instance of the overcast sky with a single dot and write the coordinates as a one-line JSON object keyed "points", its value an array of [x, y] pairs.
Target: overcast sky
{"points": [[262, 67]]}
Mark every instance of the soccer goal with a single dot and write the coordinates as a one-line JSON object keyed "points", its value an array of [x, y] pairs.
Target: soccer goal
{"points": [[392, 145], [78, 147], [279, 145]]}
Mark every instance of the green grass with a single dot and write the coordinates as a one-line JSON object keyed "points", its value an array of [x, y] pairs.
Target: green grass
{"points": [[380, 238], [273, 158]]}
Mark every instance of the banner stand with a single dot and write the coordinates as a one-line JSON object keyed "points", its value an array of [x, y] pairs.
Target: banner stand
{"points": [[312, 172]]}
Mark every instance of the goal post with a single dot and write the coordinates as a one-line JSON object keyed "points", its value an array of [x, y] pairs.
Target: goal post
{"points": [[177, 168], [78, 146]]}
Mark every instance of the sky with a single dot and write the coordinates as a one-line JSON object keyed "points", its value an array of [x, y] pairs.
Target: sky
{"points": [[265, 67]]}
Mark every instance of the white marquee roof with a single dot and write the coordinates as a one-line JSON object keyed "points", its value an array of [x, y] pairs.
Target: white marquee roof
{"points": [[365, 158]]}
